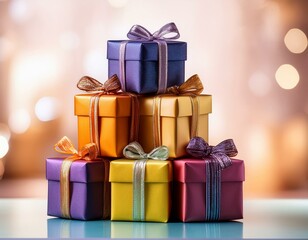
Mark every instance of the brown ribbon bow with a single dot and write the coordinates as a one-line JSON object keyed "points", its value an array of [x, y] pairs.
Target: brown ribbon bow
{"points": [[193, 85], [65, 146], [89, 84]]}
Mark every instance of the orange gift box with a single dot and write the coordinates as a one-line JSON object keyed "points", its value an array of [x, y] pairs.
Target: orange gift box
{"points": [[114, 122], [175, 122]]}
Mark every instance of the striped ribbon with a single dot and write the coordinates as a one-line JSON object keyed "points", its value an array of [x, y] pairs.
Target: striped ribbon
{"points": [[136, 152], [216, 159], [139, 33]]}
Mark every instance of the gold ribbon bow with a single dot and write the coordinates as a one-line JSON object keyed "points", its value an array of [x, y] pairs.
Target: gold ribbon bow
{"points": [[192, 87], [135, 151], [65, 146], [111, 86]]}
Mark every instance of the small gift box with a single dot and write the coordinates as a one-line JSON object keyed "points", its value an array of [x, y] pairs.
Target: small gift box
{"points": [[78, 188], [209, 188], [173, 119], [140, 189], [105, 117], [148, 63]]}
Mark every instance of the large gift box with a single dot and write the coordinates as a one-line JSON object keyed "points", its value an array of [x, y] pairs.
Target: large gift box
{"points": [[174, 125], [142, 64], [157, 180], [90, 189], [189, 195], [114, 122]]}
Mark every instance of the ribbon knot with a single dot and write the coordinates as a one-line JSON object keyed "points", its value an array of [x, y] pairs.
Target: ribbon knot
{"points": [[89, 84], [138, 32], [135, 151]]}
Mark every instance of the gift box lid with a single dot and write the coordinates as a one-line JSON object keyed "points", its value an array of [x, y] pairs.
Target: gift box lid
{"points": [[146, 50], [109, 105], [81, 170], [193, 170], [156, 171], [175, 106]]}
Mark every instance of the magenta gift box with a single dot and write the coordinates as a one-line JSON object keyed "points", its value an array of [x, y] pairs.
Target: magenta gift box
{"points": [[141, 61], [189, 194], [88, 183]]}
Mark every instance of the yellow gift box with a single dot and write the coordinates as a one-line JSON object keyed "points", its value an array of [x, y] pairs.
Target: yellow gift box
{"points": [[158, 176], [175, 122], [114, 117]]}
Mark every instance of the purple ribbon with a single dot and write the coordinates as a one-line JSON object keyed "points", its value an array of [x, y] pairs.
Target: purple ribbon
{"points": [[139, 33], [216, 159]]}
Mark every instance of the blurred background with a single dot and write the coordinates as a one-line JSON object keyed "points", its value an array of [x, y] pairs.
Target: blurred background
{"points": [[251, 56]]}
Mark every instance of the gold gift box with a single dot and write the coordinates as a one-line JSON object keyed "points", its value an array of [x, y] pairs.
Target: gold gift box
{"points": [[114, 122], [175, 121], [158, 176]]}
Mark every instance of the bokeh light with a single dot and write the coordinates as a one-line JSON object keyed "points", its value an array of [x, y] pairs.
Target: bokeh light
{"points": [[19, 121], [118, 3], [287, 76], [4, 146], [69, 40], [5, 131], [19, 10], [93, 62], [47, 109], [296, 40], [259, 84], [6, 47]]}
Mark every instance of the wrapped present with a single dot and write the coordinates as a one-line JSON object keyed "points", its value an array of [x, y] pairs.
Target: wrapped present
{"points": [[172, 120], [140, 189], [64, 228], [209, 188], [105, 116], [148, 63], [78, 186]]}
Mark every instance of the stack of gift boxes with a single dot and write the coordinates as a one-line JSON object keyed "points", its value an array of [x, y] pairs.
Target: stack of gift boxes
{"points": [[142, 151]]}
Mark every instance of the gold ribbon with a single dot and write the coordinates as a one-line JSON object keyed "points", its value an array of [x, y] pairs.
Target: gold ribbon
{"points": [[135, 151], [192, 87], [111, 86], [65, 146]]}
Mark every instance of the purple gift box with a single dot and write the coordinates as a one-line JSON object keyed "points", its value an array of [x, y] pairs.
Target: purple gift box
{"points": [[189, 196], [141, 64], [90, 189]]}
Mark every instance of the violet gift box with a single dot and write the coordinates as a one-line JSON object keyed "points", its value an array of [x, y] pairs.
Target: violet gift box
{"points": [[88, 183], [189, 197], [141, 64]]}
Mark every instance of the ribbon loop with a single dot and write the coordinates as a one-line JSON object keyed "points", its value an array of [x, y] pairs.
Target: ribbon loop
{"points": [[138, 33], [193, 85], [135, 151], [89, 84]]}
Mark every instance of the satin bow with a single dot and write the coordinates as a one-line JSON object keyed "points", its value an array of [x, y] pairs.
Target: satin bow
{"points": [[199, 148], [89, 84], [138, 32], [192, 85], [65, 146], [135, 151]]}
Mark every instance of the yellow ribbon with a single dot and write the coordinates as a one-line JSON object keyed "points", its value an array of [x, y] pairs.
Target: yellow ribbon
{"points": [[65, 146], [111, 86], [192, 87]]}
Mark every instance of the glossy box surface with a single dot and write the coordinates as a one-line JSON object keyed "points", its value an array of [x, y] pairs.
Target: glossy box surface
{"points": [[88, 183], [114, 122], [158, 175], [175, 122], [189, 190], [141, 60]]}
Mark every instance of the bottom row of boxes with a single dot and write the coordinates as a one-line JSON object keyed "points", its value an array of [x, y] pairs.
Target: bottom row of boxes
{"points": [[173, 190]]}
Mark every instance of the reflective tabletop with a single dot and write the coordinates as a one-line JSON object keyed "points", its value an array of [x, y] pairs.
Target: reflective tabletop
{"points": [[273, 218]]}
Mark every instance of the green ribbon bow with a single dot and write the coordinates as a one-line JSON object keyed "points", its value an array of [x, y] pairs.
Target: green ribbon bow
{"points": [[135, 151]]}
